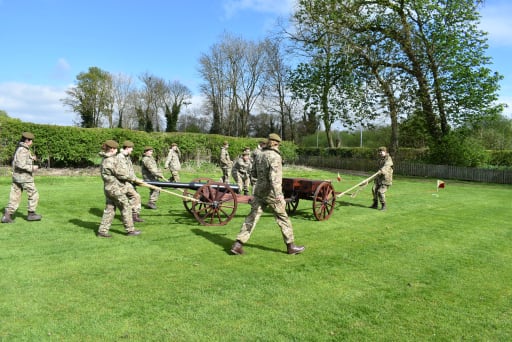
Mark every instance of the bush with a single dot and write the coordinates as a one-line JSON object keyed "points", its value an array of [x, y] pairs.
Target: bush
{"points": [[455, 149]]}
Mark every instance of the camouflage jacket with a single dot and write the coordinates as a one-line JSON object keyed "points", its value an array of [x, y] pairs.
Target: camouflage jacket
{"points": [[268, 170], [150, 169], [225, 160], [125, 165], [386, 169], [242, 167], [115, 175], [22, 164], [172, 162]]}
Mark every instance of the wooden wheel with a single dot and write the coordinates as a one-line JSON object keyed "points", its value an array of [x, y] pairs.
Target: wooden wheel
{"points": [[216, 205], [292, 203], [188, 203], [324, 201]]}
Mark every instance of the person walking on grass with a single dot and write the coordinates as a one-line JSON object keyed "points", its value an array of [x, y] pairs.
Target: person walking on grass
{"points": [[241, 172], [268, 170], [172, 162], [23, 169], [225, 162], [125, 163], [116, 178], [384, 179], [151, 172]]}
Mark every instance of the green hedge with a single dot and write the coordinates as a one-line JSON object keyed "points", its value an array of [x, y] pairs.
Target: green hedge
{"points": [[66, 146]]}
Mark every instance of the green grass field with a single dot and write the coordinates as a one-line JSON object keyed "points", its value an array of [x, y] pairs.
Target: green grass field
{"points": [[435, 266]]}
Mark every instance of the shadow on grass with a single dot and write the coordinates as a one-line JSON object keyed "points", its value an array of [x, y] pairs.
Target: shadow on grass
{"points": [[225, 243]]}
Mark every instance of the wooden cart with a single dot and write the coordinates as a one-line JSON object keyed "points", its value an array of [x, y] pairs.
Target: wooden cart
{"points": [[215, 204]]}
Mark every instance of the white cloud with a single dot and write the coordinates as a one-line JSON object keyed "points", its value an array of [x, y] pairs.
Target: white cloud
{"points": [[35, 103], [279, 7]]}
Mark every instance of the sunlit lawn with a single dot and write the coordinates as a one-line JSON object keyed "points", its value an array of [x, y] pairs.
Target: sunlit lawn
{"points": [[434, 266]]}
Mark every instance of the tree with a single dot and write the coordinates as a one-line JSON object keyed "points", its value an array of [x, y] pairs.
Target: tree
{"points": [[234, 74], [91, 98], [434, 43], [122, 93], [178, 96]]}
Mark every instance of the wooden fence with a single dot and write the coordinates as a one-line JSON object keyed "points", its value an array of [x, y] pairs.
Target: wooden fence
{"points": [[412, 169]]}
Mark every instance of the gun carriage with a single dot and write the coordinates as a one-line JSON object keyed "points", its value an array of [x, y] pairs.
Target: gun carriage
{"points": [[215, 204]]}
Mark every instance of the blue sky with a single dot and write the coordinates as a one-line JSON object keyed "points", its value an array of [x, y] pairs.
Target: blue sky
{"points": [[45, 44]]}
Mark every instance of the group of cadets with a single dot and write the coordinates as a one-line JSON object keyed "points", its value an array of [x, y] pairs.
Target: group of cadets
{"points": [[241, 168], [260, 169]]}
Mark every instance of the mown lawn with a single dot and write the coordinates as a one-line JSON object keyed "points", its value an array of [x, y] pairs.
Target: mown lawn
{"points": [[434, 266]]}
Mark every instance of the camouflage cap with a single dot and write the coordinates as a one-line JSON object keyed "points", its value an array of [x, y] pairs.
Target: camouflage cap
{"points": [[128, 143], [111, 144], [246, 153], [148, 148], [225, 142], [383, 149], [275, 137], [174, 144], [27, 135]]}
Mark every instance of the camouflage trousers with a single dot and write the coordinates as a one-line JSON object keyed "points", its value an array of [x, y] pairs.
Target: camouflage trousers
{"points": [[175, 176], [280, 215], [134, 197], [15, 196], [379, 192], [242, 180], [153, 195], [225, 174], [120, 201]]}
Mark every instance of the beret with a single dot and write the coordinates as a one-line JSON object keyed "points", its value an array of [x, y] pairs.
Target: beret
{"points": [[111, 144], [128, 143], [28, 135], [148, 148], [275, 137]]}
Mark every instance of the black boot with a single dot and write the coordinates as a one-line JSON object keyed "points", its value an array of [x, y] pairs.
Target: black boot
{"points": [[383, 207], [246, 192], [32, 216], [292, 249], [375, 205], [136, 218], [7, 218], [237, 248]]}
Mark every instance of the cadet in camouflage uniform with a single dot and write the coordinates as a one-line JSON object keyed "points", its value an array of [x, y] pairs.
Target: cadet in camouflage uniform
{"points": [[225, 162], [151, 172], [383, 181], [254, 154], [172, 162], [116, 179], [23, 179], [268, 169], [125, 163], [241, 172]]}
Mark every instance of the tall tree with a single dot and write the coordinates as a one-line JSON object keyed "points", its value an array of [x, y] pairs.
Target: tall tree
{"points": [[434, 43], [234, 75], [178, 95], [91, 97]]}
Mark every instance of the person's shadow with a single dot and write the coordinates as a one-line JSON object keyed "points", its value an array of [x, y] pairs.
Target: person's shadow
{"points": [[225, 243]]}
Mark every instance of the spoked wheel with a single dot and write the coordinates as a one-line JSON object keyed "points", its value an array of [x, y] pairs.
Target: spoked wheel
{"points": [[216, 204], [324, 201], [292, 203], [187, 193]]}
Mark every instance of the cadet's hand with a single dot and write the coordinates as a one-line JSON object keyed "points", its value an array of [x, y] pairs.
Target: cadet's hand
{"points": [[137, 181], [35, 168]]}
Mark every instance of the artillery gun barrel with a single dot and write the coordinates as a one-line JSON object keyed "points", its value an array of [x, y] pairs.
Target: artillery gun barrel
{"points": [[191, 185]]}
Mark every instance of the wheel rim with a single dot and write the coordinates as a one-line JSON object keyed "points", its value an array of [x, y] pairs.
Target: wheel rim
{"points": [[217, 204], [324, 201], [292, 203], [187, 203]]}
